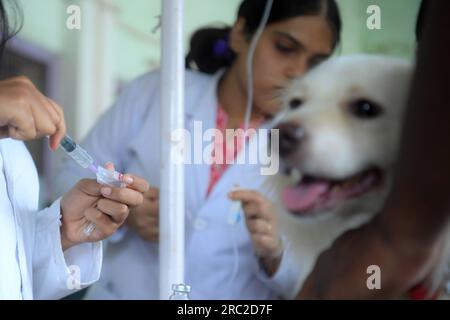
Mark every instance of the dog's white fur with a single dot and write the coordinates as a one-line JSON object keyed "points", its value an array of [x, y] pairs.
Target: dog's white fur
{"points": [[338, 144]]}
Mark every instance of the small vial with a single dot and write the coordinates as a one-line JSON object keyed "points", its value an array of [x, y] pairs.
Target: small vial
{"points": [[110, 178], [180, 292]]}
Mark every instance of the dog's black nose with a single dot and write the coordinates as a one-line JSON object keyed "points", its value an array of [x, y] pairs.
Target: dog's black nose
{"points": [[291, 135]]}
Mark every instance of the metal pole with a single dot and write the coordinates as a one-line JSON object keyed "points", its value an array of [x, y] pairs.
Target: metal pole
{"points": [[171, 246]]}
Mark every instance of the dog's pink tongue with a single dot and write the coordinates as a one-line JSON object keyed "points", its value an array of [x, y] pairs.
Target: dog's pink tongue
{"points": [[303, 196]]}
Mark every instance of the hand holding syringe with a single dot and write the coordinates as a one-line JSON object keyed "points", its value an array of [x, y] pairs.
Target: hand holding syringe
{"points": [[104, 176]]}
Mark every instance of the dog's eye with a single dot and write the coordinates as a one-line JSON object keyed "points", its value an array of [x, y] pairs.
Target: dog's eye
{"points": [[366, 109], [295, 103]]}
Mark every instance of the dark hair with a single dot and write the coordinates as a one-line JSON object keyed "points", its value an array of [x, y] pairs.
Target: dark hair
{"points": [[6, 32], [207, 50]]}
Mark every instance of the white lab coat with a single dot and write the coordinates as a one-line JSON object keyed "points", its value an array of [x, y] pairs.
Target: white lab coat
{"points": [[129, 135], [32, 263]]}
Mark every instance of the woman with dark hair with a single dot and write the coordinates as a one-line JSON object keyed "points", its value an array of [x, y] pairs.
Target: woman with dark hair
{"points": [[225, 259], [40, 250]]}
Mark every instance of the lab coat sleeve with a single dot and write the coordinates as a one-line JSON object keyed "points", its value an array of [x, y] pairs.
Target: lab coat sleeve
{"points": [[285, 281], [56, 273]]}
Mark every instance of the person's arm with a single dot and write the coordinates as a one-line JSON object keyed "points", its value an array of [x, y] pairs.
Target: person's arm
{"points": [[420, 201], [58, 273], [65, 259], [403, 240], [276, 266]]}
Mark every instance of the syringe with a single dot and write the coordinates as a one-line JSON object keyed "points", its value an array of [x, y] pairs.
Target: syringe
{"points": [[104, 176], [78, 154]]}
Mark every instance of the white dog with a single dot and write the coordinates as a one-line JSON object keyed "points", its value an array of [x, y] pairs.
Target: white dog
{"points": [[339, 143]]}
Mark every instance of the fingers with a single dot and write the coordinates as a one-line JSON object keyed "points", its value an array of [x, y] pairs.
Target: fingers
{"points": [[259, 226], [255, 207], [144, 220], [31, 100], [104, 225], [252, 210], [132, 195], [29, 114], [123, 195], [133, 182], [149, 234], [35, 95], [152, 194], [266, 239], [136, 183], [254, 204], [21, 127], [246, 196], [89, 187], [267, 246], [118, 212], [56, 138], [154, 208], [148, 226], [44, 103], [149, 208], [261, 220], [44, 117], [149, 229]]}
